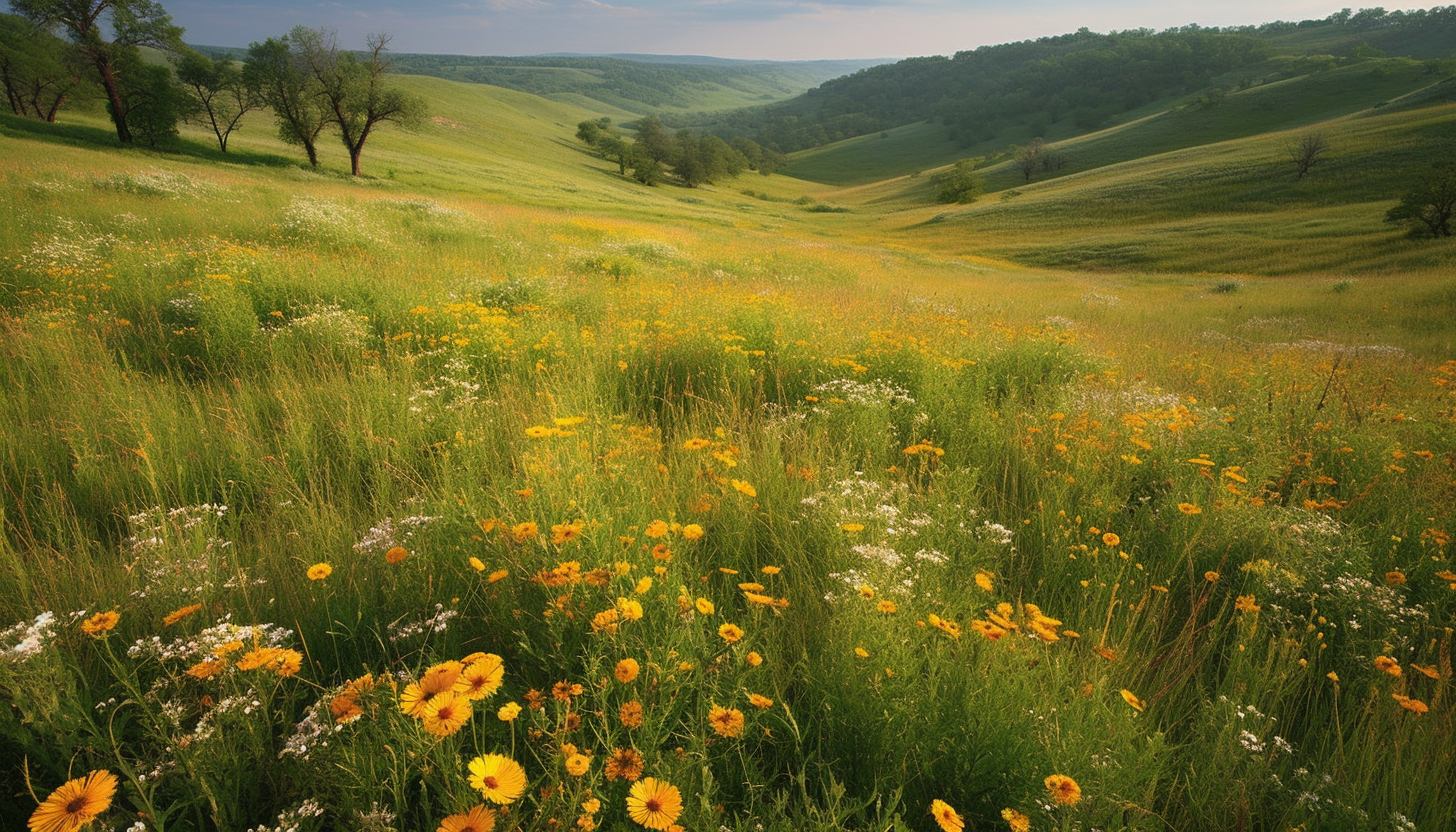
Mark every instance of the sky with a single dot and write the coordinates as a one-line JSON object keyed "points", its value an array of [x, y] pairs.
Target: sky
{"points": [[755, 29]]}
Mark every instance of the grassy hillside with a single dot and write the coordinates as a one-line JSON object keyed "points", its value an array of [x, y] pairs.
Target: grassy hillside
{"points": [[1232, 207], [821, 520], [1188, 121], [1067, 86]]}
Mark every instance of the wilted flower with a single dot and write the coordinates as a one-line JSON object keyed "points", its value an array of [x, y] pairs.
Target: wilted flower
{"points": [[1063, 789]]}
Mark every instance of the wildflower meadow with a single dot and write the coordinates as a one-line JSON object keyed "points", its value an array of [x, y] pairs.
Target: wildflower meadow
{"points": [[437, 502]]}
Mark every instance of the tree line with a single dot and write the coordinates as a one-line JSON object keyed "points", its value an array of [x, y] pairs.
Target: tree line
{"points": [[55, 53], [1085, 79], [1085, 76], [693, 159]]}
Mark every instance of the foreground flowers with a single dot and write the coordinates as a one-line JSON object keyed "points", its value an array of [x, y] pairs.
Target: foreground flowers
{"points": [[75, 804], [727, 722], [654, 803], [1016, 820], [947, 818], [100, 623], [499, 779], [478, 819]]}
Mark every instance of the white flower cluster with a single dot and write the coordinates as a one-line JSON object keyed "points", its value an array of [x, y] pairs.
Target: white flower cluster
{"points": [[206, 641], [247, 702], [330, 322], [1100, 299], [150, 526], [323, 219], [386, 533], [309, 734], [291, 820], [155, 182], [75, 246], [453, 390], [874, 392], [996, 533], [436, 623], [425, 208], [1312, 345], [22, 641], [935, 307]]}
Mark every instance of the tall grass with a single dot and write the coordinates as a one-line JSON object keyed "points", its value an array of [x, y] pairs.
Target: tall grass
{"points": [[978, 526]]}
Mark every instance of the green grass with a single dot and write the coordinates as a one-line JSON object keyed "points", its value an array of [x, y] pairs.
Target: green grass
{"points": [[1232, 207], [491, 329]]}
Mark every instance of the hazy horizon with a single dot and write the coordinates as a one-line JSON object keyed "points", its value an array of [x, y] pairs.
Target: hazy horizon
{"points": [[781, 30]]}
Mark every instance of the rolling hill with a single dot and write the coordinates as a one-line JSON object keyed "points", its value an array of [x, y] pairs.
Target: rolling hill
{"points": [[1056, 88]]}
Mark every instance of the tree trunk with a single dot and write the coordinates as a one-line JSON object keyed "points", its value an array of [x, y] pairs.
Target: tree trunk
{"points": [[312, 152], [118, 107], [55, 108], [356, 149], [16, 105]]}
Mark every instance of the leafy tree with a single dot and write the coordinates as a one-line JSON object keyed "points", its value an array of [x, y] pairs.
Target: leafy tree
{"points": [[701, 160], [134, 23], [592, 130], [37, 69], [277, 71], [353, 89], [619, 150], [645, 169], [155, 102], [223, 96], [653, 139], [1428, 207], [961, 184]]}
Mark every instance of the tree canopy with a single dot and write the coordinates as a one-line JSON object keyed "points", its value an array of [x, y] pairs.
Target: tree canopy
{"points": [[353, 90], [134, 23]]}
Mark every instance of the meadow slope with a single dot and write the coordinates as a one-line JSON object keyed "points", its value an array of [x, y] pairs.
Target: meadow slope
{"points": [[495, 482]]}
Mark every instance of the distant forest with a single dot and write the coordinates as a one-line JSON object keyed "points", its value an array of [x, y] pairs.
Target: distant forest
{"points": [[1085, 77]]}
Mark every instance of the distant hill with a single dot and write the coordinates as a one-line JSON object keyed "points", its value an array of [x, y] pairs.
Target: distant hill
{"points": [[1319, 95], [1076, 83], [637, 84], [626, 83]]}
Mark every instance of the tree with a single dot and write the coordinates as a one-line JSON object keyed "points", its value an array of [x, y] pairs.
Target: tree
{"points": [[277, 71], [592, 130], [961, 184], [1304, 153], [645, 169], [617, 149], [222, 94], [37, 69], [1429, 206], [1029, 158], [153, 98], [353, 89], [653, 140], [134, 23]]}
